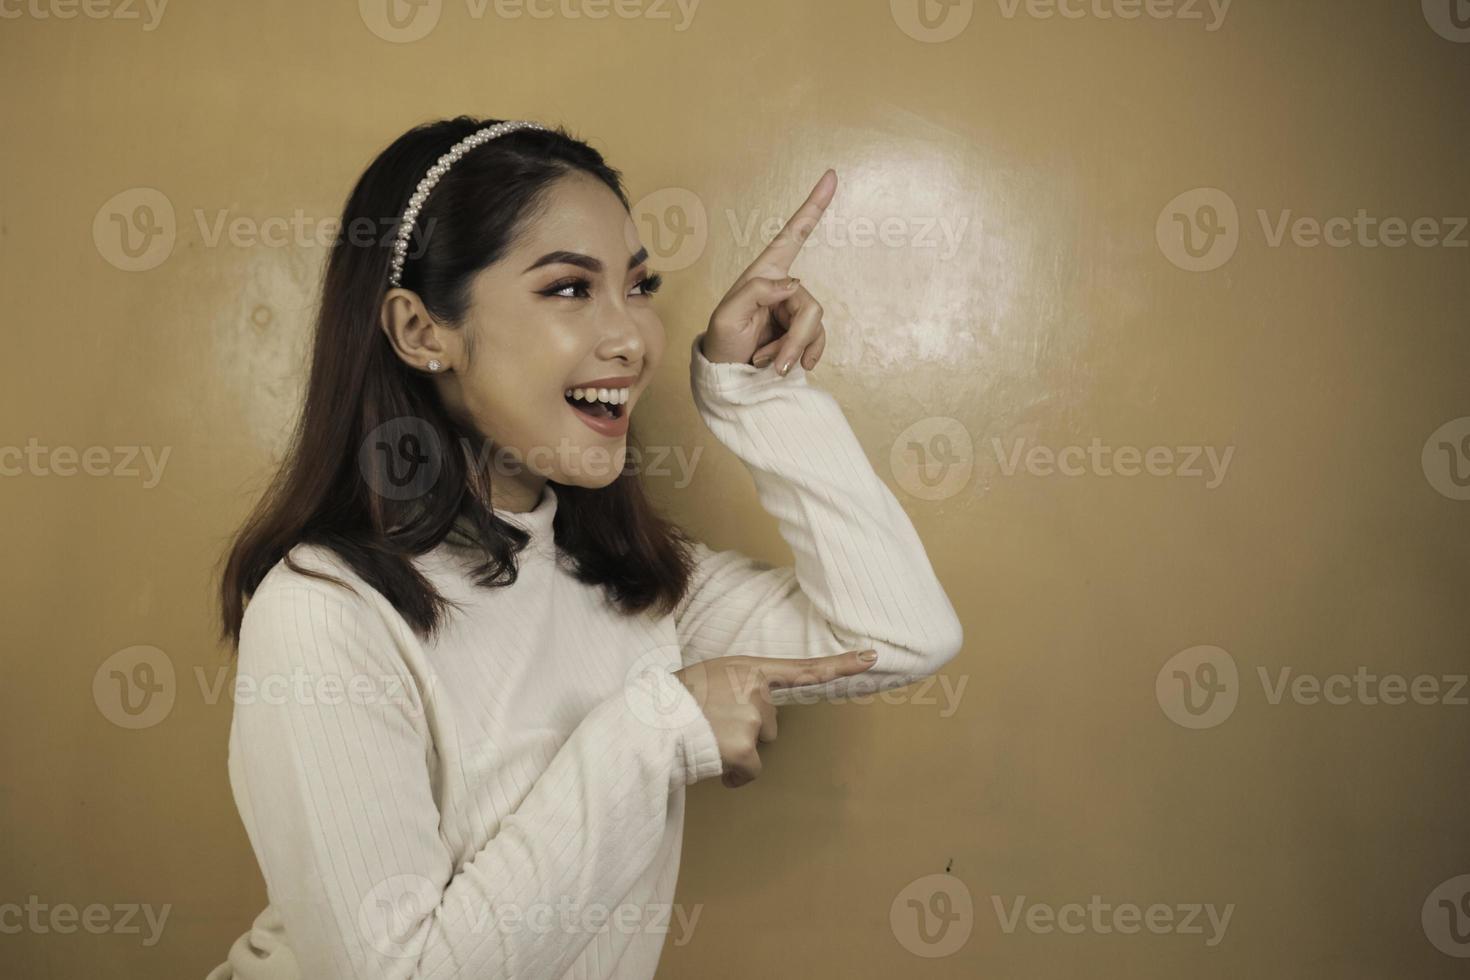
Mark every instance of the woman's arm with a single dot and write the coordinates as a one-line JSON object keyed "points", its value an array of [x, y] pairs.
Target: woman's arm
{"points": [[338, 803], [861, 578]]}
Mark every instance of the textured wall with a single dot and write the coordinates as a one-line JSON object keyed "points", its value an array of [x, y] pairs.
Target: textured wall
{"points": [[1152, 314]]}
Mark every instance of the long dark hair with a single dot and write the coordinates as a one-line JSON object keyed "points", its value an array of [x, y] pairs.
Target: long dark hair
{"points": [[328, 492]]}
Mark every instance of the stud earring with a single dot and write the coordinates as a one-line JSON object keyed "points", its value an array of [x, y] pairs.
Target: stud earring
{"points": [[434, 365]]}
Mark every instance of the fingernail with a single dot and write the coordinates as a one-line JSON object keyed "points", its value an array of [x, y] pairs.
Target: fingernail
{"points": [[764, 359], [792, 283], [868, 656], [786, 366]]}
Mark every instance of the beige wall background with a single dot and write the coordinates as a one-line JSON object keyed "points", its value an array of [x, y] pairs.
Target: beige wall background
{"points": [[1058, 241]]}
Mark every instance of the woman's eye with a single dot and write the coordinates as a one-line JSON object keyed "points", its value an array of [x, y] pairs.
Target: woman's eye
{"points": [[649, 285], [580, 288], [560, 289]]}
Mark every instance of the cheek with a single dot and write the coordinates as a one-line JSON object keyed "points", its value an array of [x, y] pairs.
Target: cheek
{"points": [[654, 340], [512, 407]]}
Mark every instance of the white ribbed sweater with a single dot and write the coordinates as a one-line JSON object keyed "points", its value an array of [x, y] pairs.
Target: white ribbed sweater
{"points": [[508, 799]]}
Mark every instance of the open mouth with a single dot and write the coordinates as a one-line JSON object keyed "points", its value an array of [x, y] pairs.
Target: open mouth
{"points": [[608, 406]]}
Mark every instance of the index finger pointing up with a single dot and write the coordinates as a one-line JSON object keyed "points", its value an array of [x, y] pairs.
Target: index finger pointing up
{"points": [[775, 261]]}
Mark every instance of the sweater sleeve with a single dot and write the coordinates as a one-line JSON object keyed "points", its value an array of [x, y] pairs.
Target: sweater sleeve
{"points": [[861, 578], [336, 793]]}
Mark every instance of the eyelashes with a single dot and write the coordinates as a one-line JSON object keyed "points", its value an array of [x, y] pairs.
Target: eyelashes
{"points": [[648, 285]]}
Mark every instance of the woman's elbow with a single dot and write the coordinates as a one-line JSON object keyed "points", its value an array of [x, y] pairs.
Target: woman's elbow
{"points": [[942, 646], [947, 647], [921, 656]]}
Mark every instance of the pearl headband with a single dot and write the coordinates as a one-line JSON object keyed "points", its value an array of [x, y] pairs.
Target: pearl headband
{"points": [[438, 170]]}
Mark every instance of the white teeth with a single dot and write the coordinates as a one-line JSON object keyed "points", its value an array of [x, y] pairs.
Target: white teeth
{"points": [[612, 396]]}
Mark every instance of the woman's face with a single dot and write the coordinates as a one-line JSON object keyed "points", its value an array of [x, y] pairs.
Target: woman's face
{"points": [[569, 305]]}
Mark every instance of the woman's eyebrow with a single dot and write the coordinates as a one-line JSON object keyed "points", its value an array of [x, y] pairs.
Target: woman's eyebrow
{"points": [[585, 261]]}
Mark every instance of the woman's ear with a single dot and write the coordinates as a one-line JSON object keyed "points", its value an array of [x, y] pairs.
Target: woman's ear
{"points": [[417, 339]]}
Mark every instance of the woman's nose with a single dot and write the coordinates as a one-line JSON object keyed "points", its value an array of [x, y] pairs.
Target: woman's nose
{"points": [[623, 337]]}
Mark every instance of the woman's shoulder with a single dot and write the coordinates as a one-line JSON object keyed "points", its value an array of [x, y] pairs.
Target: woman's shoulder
{"points": [[311, 582], [312, 567], [313, 593]]}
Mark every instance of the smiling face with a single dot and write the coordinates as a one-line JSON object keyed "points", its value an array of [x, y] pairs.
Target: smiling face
{"points": [[568, 306]]}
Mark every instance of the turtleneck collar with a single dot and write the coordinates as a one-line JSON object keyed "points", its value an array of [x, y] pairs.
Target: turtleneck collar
{"points": [[537, 522]]}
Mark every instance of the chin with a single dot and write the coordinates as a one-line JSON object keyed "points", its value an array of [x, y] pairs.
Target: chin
{"points": [[588, 481], [593, 463]]}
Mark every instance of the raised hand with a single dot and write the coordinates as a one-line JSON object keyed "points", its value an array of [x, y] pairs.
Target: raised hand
{"points": [[766, 316]]}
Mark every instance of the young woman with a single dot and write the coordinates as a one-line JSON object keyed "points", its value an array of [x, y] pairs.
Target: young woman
{"points": [[477, 670]]}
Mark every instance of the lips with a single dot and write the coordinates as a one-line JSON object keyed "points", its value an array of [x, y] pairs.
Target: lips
{"points": [[622, 381], [609, 417], [609, 409]]}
